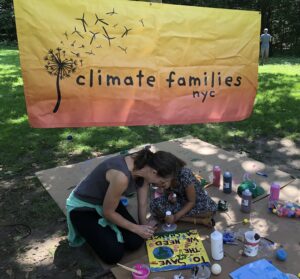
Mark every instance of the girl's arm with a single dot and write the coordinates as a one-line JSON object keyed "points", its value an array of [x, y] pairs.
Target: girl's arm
{"points": [[142, 194], [118, 183], [191, 201]]}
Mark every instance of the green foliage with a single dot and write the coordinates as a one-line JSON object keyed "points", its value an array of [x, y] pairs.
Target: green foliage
{"points": [[7, 21], [280, 16]]}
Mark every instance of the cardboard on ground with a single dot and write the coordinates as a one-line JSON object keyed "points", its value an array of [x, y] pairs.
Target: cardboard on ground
{"points": [[201, 157]]}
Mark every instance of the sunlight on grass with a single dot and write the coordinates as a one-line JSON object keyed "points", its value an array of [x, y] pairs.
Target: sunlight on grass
{"points": [[118, 143], [287, 69], [275, 114], [278, 65], [236, 133], [8, 69], [296, 94], [18, 82], [73, 147], [5, 52], [18, 120]]}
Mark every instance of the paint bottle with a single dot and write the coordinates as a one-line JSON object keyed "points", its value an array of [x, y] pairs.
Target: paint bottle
{"points": [[274, 194], [227, 182], [246, 201], [216, 176], [167, 227], [216, 242]]}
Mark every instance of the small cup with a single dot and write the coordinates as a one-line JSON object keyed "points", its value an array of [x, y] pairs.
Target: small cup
{"points": [[251, 244], [144, 269]]}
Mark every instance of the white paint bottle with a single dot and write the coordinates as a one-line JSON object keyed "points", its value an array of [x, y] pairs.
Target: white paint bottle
{"points": [[216, 242]]}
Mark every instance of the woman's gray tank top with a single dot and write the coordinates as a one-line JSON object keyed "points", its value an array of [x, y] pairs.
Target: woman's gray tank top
{"points": [[93, 188]]}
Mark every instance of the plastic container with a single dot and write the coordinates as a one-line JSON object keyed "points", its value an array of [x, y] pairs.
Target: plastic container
{"points": [[203, 272], [124, 201], [169, 227], [144, 269], [216, 242], [274, 194], [217, 176], [227, 182], [246, 201], [251, 243]]}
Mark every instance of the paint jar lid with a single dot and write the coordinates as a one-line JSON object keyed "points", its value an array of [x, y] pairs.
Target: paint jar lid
{"points": [[247, 192], [168, 213]]}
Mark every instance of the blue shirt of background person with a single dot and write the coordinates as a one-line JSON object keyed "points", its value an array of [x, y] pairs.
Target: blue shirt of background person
{"points": [[265, 38]]}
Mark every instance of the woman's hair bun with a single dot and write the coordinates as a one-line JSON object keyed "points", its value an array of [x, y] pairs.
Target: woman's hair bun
{"points": [[143, 157]]}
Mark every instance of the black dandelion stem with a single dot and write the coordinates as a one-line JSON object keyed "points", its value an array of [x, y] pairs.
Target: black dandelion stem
{"points": [[58, 92]]}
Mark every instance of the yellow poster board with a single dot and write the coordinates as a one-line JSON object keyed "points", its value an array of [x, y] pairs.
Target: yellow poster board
{"points": [[116, 62], [176, 250]]}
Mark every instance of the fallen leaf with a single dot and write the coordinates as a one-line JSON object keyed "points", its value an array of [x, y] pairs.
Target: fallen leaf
{"points": [[17, 238], [10, 273], [78, 273], [24, 202]]}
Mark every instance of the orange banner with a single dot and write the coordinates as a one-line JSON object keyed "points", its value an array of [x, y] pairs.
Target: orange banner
{"points": [[116, 62]]}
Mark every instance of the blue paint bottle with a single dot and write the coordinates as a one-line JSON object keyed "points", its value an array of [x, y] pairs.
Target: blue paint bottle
{"points": [[227, 182]]}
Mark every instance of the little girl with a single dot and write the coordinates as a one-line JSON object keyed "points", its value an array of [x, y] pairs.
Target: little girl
{"points": [[186, 199]]}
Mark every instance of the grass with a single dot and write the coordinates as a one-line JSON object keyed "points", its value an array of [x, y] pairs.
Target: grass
{"points": [[25, 150], [276, 114]]}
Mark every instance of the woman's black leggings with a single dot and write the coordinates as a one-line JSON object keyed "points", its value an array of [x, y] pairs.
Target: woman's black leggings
{"points": [[103, 240]]}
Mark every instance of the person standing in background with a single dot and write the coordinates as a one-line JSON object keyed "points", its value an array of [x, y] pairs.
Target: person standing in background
{"points": [[265, 40]]}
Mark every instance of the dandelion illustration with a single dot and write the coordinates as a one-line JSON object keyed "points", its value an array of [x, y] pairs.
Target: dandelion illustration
{"points": [[61, 67]]}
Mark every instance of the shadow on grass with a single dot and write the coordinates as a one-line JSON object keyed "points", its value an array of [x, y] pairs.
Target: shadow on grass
{"points": [[25, 150], [277, 106], [275, 114], [9, 57], [284, 60]]}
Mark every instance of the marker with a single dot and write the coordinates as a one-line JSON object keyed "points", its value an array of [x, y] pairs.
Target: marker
{"points": [[261, 174]]}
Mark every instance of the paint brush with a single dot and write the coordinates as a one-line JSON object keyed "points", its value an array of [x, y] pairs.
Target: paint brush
{"points": [[130, 269], [208, 185], [245, 221]]}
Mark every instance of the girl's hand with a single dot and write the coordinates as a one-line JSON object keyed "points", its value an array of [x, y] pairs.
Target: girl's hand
{"points": [[144, 231]]}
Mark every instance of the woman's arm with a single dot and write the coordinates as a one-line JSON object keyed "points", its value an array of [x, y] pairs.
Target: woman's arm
{"points": [[142, 194], [118, 183], [191, 201]]}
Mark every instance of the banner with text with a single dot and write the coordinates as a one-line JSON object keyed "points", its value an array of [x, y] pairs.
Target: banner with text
{"points": [[116, 62]]}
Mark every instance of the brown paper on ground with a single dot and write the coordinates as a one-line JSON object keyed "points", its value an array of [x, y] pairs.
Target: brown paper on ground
{"points": [[281, 230], [200, 157]]}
